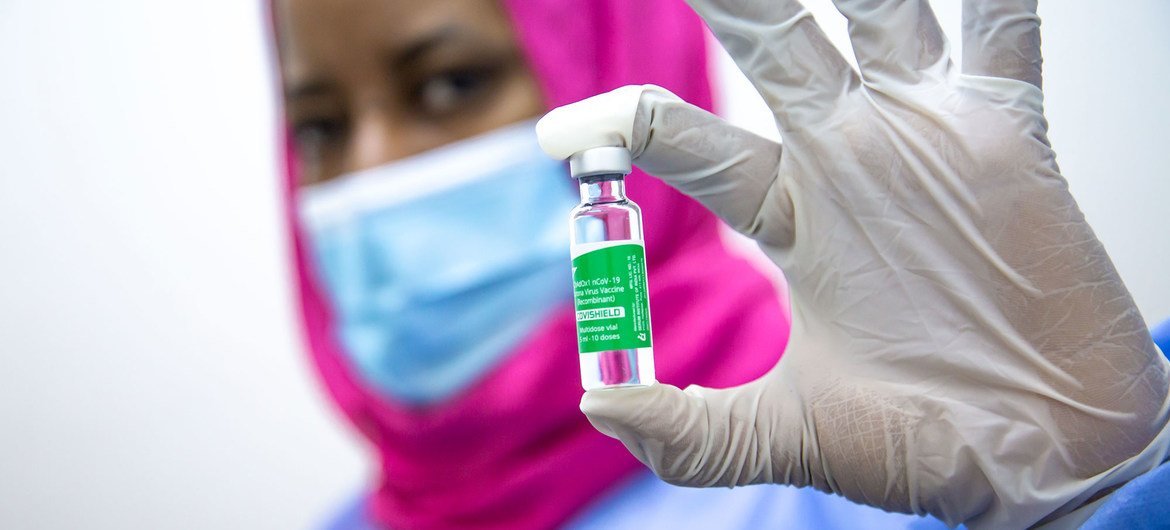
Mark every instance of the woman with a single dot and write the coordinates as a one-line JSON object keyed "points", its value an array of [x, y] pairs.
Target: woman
{"points": [[455, 358]]}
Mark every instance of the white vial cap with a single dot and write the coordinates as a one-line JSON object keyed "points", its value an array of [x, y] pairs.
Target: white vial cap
{"points": [[600, 161]]}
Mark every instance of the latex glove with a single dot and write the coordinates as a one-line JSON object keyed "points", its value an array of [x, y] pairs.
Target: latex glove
{"points": [[961, 344]]}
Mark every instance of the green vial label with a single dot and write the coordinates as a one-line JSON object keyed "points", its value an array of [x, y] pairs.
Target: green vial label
{"points": [[610, 296]]}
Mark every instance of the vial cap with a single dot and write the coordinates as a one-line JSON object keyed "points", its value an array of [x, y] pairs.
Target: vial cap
{"points": [[600, 161]]}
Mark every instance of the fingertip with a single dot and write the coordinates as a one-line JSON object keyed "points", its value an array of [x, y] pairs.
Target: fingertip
{"points": [[602, 401], [603, 120], [620, 412], [547, 136]]}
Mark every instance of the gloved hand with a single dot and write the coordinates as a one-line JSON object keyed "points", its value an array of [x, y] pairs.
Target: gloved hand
{"points": [[961, 343]]}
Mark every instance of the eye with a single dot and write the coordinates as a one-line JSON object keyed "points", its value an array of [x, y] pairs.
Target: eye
{"points": [[453, 90], [312, 135]]}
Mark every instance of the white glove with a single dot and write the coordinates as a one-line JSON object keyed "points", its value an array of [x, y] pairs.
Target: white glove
{"points": [[962, 345]]}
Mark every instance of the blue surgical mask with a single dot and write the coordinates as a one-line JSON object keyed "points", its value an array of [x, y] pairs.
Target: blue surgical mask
{"points": [[437, 266]]}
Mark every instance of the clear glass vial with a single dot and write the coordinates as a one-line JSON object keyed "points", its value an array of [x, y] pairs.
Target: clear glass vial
{"points": [[610, 291]]}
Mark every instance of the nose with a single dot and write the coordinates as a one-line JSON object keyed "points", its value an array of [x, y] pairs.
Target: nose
{"points": [[376, 139], [383, 133]]}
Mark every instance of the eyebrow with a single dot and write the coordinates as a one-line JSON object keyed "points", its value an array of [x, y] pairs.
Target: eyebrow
{"points": [[412, 52], [428, 42], [310, 88]]}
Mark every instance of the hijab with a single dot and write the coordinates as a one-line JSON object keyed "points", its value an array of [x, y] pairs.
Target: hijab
{"points": [[513, 451]]}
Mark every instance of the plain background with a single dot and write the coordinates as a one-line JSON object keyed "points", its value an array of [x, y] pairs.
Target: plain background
{"points": [[150, 366]]}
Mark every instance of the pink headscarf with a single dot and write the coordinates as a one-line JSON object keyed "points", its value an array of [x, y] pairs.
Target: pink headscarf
{"points": [[513, 451]]}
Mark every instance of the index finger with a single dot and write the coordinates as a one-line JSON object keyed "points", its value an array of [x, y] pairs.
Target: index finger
{"points": [[729, 170]]}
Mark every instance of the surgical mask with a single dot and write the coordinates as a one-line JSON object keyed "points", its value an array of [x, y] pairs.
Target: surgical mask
{"points": [[439, 265]]}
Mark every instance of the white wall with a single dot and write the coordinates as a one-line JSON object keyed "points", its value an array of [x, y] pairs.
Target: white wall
{"points": [[150, 372], [150, 375]]}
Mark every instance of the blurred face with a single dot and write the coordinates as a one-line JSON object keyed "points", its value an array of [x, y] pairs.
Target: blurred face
{"points": [[367, 82]]}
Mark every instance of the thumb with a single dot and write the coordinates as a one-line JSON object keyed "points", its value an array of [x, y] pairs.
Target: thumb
{"points": [[697, 437]]}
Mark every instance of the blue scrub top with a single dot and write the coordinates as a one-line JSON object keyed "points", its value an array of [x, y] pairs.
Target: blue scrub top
{"points": [[1161, 334], [647, 503]]}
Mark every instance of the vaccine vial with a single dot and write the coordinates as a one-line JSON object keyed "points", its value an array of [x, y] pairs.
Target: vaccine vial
{"points": [[610, 293]]}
